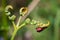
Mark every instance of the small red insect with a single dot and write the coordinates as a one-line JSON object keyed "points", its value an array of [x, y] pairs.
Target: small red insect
{"points": [[39, 29]]}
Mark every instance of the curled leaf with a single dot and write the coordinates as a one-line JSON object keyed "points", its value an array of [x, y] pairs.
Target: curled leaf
{"points": [[8, 13], [23, 11], [6, 10], [7, 7], [43, 25]]}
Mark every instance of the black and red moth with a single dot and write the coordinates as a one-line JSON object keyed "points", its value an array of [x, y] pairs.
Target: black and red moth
{"points": [[39, 29]]}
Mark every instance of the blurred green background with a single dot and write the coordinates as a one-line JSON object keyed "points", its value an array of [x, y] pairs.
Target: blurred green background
{"points": [[45, 10]]}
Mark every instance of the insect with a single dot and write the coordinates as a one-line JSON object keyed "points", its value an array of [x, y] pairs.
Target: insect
{"points": [[41, 27]]}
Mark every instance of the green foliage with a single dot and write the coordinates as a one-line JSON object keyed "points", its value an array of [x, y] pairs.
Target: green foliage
{"points": [[45, 10]]}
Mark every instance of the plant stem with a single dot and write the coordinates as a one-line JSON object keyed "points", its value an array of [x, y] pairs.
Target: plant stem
{"points": [[22, 25], [14, 25], [19, 21], [31, 6], [15, 31]]}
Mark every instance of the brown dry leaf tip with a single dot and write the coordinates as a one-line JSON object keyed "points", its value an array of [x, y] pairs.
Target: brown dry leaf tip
{"points": [[23, 11]]}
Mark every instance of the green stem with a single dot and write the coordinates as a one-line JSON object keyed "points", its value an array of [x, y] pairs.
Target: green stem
{"points": [[15, 31], [19, 21], [22, 25], [13, 35], [14, 25]]}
